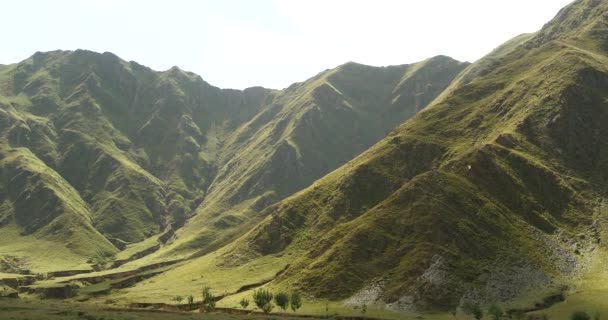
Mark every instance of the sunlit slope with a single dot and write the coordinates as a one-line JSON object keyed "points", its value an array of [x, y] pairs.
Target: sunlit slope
{"points": [[125, 140], [45, 224], [485, 195], [142, 150], [305, 132]]}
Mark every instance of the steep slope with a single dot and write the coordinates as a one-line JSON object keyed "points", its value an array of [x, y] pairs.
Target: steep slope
{"points": [[129, 142], [488, 194], [38, 207], [308, 130], [140, 150]]}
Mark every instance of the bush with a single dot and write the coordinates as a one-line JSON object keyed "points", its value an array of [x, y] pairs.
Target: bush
{"points": [[454, 312], [208, 303], [190, 300], [282, 300], [472, 309], [263, 299], [296, 301], [495, 311], [244, 303], [178, 300], [516, 314], [580, 315]]}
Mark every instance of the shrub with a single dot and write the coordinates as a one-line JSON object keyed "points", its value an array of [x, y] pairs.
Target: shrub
{"points": [[281, 299], [178, 299], [495, 311], [263, 299], [296, 301], [244, 303], [580, 315], [517, 315], [208, 303], [472, 309]]}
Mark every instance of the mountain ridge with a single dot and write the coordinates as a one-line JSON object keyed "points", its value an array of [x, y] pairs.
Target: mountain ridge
{"points": [[142, 148], [490, 205], [415, 188]]}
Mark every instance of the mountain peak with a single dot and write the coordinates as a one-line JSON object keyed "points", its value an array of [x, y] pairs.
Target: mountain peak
{"points": [[580, 19]]}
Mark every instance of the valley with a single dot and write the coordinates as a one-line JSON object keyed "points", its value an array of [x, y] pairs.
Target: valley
{"points": [[411, 191]]}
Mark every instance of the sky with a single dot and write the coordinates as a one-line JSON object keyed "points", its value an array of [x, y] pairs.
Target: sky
{"points": [[270, 43]]}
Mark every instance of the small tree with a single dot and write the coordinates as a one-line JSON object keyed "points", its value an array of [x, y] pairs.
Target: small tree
{"points": [[178, 300], [208, 303], [580, 315], [281, 299], [244, 303], [364, 308], [495, 311], [517, 315], [190, 300], [296, 301], [478, 313], [263, 299], [472, 309]]}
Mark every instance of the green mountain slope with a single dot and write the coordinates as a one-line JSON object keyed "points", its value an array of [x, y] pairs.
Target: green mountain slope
{"points": [[127, 141], [129, 154], [488, 194], [40, 211], [307, 131]]}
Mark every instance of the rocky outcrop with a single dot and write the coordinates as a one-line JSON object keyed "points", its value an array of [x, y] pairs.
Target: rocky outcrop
{"points": [[16, 282], [8, 292], [60, 291]]}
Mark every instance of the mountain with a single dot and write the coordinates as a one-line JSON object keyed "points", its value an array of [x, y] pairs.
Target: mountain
{"points": [[99, 155], [118, 142], [491, 193], [304, 133]]}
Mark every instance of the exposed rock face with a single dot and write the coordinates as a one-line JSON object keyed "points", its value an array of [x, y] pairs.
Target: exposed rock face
{"points": [[59, 291]]}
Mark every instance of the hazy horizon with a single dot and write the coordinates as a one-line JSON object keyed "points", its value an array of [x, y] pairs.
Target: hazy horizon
{"points": [[269, 43]]}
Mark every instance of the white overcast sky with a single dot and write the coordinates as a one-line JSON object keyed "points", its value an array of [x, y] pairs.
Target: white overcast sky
{"points": [[272, 43]]}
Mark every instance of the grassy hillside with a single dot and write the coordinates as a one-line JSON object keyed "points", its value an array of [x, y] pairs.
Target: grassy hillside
{"points": [[492, 192], [101, 155], [308, 130], [45, 224], [123, 139], [487, 195]]}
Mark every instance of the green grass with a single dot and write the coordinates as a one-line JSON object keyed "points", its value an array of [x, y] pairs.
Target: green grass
{"points": [[40, 255], [139, 149], [45, 310], [210, 270], [136, 248], [481, 179], [310, 130], [476, 188]]}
